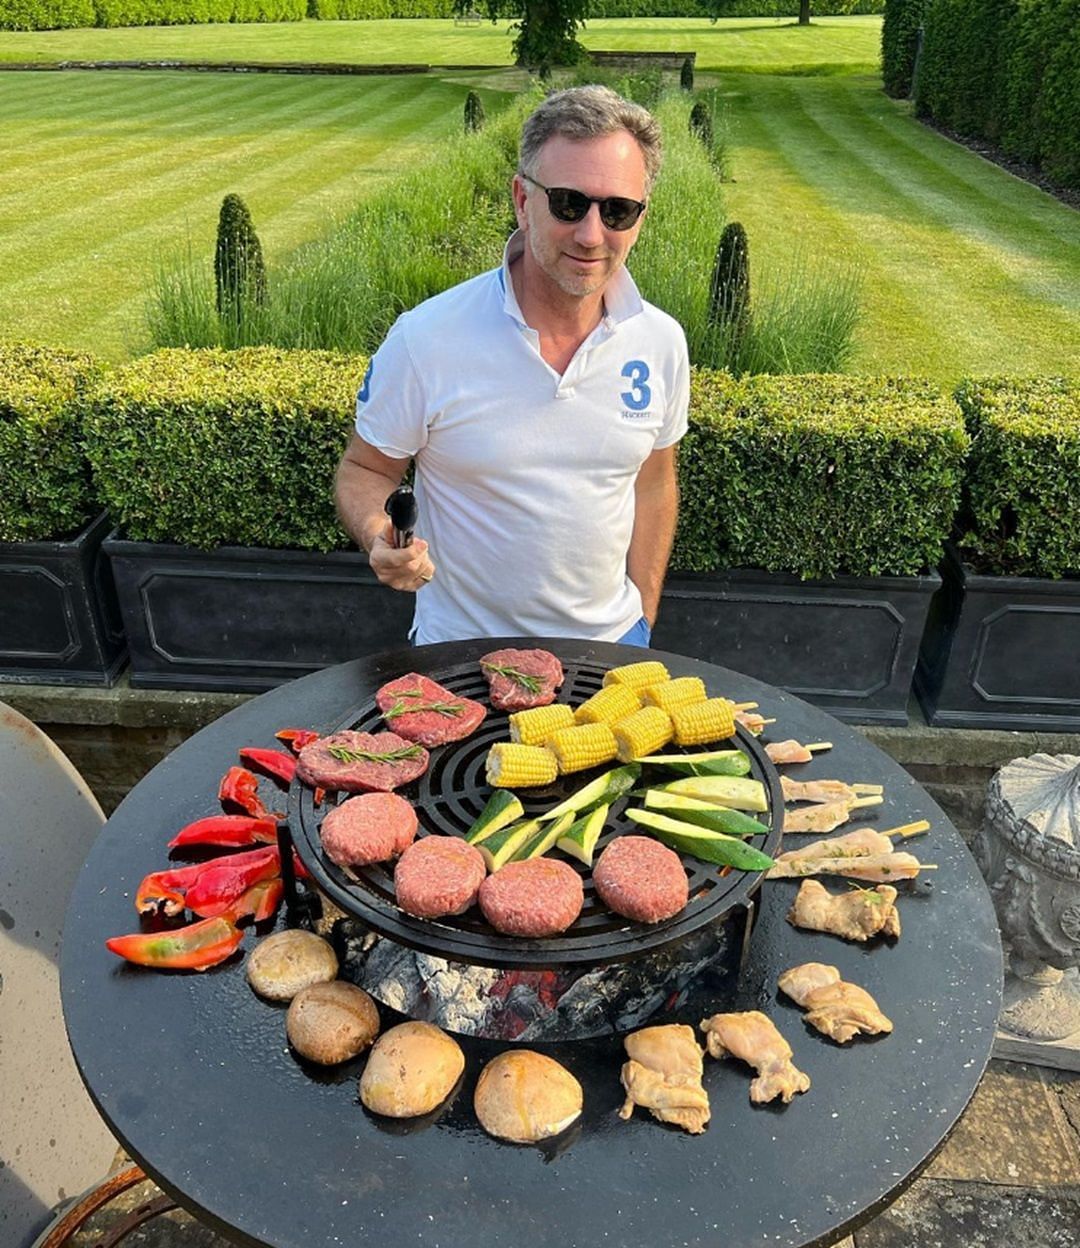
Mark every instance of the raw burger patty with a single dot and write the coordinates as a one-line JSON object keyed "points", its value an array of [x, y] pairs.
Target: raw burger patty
{"points": [[370, 828], [641, 879], [507, 694], [428, 727], [317, 767], [541, 897], [437, 876]]}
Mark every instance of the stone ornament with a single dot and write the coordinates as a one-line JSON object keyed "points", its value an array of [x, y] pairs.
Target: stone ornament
{"points": [[1028, 850]]}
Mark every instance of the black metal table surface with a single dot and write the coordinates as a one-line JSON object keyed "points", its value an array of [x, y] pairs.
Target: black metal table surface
{"points": [[193, 1073]]}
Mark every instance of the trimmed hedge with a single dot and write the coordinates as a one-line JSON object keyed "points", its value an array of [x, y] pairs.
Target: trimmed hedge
{"points": [[818, 475], [45, 489], [1007, 71], [57, 14], [210, 448], [1022, 494], [899, 38]]}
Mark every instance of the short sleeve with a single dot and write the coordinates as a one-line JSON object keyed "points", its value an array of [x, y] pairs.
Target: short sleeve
{"points": [[391, 410], [676, 417]]}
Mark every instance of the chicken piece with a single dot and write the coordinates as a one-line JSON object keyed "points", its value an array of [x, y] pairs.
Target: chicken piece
{"points": [[663, 1075], [790, 751], [824, 790], [836, 1008], [874, 868], [826, 816], [753, 1038], [855, 915], [858, 843], [752, 721]]}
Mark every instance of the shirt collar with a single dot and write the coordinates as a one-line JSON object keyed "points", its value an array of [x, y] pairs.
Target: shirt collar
{"points": [[622, 298]]}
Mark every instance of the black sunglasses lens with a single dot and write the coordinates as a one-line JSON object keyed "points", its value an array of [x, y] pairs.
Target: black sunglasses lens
{"points": [[567, 205], [619, 214]]}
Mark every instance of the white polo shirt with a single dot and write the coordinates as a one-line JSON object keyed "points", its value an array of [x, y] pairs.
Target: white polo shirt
{"points": [[525, 479]]}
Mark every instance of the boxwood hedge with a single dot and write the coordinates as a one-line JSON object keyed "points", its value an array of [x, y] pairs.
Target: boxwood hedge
{"points": [[1021, 513], [44, 479], [210, 448], [818, 475]]}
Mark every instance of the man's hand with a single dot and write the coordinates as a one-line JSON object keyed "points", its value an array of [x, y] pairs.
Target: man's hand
{"points": [[407, 568]]}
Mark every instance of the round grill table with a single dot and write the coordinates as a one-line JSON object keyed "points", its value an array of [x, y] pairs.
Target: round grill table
{"points": [[193, 1073]]}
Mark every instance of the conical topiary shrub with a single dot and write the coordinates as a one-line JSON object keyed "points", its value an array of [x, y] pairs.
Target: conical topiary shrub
{"points": [[474, 112], [686, 75], [729, 290], [239, 271], [701, 124]]}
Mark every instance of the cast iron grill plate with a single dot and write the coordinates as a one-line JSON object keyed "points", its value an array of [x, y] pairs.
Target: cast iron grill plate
{"points": [[449, 796]]}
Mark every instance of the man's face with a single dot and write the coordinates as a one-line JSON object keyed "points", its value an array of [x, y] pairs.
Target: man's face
{"points": [[581, 257]]}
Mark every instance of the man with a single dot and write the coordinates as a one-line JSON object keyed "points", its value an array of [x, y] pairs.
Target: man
{"points": [[542, 403]]}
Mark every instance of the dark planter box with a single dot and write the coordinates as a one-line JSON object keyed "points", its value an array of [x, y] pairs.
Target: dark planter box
{"points": [[247, 620], [847, 644], [1001, 652], [59, 619]]}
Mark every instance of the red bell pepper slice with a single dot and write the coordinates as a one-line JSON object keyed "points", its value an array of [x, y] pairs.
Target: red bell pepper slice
{"points": [[193, 948], [227, 830], [172, 887], [239, 787], [297, 738], [276, 764], [223, 881], [259, 902]]}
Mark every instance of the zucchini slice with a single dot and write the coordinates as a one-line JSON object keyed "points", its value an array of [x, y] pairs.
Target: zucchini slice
{"points": [[704, 814], [501, 846], [579, 840], [502, 808], [737, 792], [543, 838], [728, 851], [711, 763], [606, 788]]}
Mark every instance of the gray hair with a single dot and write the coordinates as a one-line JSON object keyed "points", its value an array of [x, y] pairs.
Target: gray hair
{"points": [[590, 113]]}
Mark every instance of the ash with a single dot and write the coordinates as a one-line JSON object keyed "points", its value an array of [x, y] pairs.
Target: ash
{"points": [[556, 1004]]}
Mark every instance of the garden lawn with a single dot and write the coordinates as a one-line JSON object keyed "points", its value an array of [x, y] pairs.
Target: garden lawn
{"points": [[828, 44], [105, 174], [966, 268]]}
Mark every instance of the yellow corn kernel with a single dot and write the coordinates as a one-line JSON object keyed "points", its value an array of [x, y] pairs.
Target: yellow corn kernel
{"points": [[534, 726], [642, 733], [612, 703], [587, 745], [669, 694], [513, 766], [712, 720], [637, 675]]}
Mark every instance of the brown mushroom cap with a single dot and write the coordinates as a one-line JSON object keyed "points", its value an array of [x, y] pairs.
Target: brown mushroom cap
{"points": [[411, 1070], [331, 1022], [279, 966], [524, 1096]]}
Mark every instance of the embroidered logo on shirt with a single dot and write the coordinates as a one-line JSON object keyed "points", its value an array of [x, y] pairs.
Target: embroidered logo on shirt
{"points": [[637, 398]]}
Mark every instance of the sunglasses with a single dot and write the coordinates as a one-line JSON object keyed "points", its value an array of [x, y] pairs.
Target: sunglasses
{"points": [[564, 204]]}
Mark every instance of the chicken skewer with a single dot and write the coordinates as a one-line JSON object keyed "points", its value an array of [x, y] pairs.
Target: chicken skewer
{"points": [[753, 1037], [790, 751], [825, 816], [855, 915], [825, 790], [837, 1009], [753, 721], [856, 842], [874, 868]]}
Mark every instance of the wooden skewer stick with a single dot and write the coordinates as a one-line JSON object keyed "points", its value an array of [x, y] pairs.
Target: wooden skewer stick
{"points": [[867, 788], [909, 829], [745, 706], [819, 745], [768, 721], [874, 800]]}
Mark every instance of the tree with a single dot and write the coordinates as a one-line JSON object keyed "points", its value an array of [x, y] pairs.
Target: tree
{"points": [[239, 272], [546, 32], [718, 8]]}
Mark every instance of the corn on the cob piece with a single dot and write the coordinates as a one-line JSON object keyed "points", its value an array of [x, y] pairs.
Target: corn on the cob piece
{"points": [[510, 765], [534, 726], [670, 694], [642, 733], [608, 706], [712, 720], [637, 675], [586, 745]]}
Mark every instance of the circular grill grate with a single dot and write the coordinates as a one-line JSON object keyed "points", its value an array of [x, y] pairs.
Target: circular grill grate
{"points": [[449, 797]]}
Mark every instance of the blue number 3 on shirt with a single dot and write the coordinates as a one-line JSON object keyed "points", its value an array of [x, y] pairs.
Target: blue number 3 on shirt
{"points": [[637, 398]]}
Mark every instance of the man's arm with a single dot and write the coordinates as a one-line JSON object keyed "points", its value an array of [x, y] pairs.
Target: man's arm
{"points": [[656, 510], [365, 479]]}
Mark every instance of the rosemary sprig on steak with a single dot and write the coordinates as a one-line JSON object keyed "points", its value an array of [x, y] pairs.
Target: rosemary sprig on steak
{"points": [[403, 708], [532, 684], [344, 755]]}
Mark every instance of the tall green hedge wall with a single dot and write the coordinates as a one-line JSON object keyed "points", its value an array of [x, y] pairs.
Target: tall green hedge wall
{"points": [[1007, 71], [58, 14], [899, 39]]}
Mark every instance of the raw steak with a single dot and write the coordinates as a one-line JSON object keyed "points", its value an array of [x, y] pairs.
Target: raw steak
{"points": [[508, 691], [318, 767], [437, 876], [370, 828], [440, 715]]}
